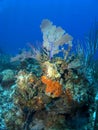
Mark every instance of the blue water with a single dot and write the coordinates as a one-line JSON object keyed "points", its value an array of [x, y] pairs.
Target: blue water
{"points": [[20, 20]]}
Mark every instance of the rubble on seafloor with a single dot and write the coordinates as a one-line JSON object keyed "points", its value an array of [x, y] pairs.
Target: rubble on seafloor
{"points": [[49, 93]]}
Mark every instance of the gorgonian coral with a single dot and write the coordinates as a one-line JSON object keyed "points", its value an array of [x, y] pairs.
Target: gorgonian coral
{"points": [[54, 37]]}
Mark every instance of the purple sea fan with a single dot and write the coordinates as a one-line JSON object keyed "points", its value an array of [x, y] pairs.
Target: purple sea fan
{"points": [[54, 37]]}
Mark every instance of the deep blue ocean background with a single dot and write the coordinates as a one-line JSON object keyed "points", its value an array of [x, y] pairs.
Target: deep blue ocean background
{"points": [[20, 20]]}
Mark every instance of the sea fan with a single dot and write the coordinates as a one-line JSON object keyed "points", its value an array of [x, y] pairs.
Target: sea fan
{"points": [[54, 37]]}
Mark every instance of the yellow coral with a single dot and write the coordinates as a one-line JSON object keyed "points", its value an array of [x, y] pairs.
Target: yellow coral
{"points": [[51, 70]]}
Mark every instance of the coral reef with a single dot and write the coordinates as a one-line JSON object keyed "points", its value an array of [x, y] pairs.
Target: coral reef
{"points": [[50, 85]]}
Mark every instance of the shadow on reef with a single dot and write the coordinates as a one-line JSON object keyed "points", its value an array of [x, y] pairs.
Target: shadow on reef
{"points": [[52, 92]]}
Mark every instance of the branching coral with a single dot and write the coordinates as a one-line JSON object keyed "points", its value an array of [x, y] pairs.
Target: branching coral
{"points": [[54, 37], [53, 88]]}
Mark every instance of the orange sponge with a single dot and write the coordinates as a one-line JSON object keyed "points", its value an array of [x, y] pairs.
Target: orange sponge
{"points": [[53, 88]]}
